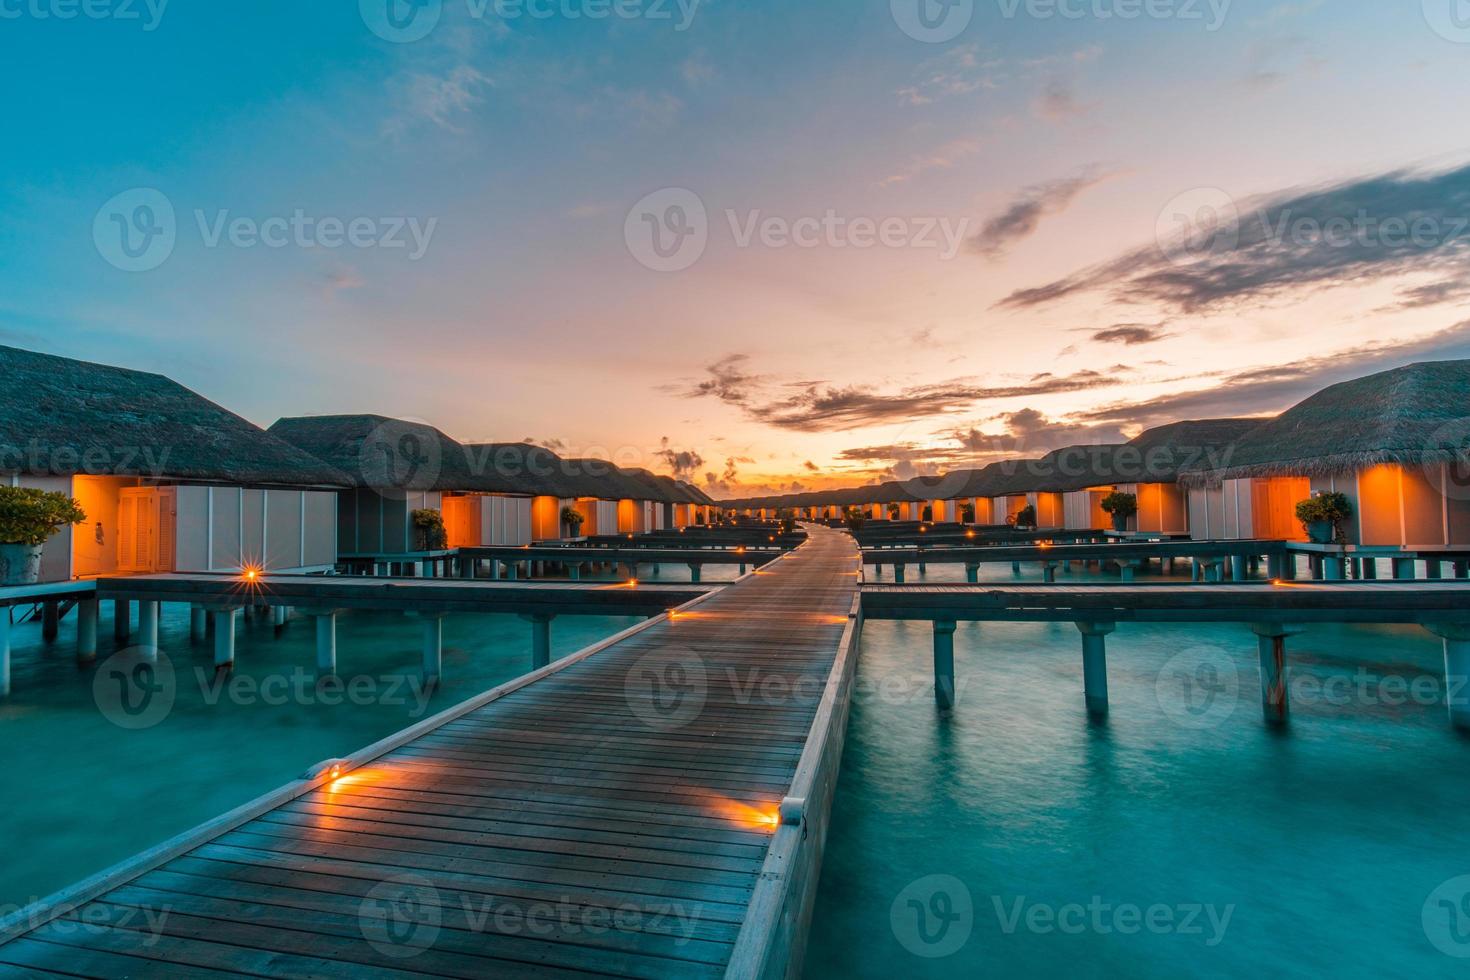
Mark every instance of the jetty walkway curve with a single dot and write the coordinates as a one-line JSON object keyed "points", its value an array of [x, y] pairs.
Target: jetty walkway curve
{"points": [[652, 806]]}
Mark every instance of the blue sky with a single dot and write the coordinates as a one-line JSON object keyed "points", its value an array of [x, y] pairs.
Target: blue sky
{"points": [[518, 146]]}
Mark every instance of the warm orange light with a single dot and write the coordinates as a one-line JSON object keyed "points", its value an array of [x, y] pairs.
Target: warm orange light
{"points": [[969, 534], [250, 573], [763, 817]]}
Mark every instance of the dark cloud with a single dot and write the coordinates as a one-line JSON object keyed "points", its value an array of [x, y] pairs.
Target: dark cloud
{"points": [[1295, 243], [1274, 388], [684, 463], [1432, 294], [811, 467], [1131, 334], [728, 381], [818, 408], [1024, 215], [1031, 432]]}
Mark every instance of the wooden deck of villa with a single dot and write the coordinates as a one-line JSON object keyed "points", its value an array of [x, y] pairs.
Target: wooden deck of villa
{"points": [[651, 806]]}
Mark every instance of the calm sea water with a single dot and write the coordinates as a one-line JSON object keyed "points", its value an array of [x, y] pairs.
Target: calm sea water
{"points": [[1181, 837], [1016, 838]]}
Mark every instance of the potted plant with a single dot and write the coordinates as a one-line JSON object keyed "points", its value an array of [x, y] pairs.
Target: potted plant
{"points": [[967, 513], [1122, 506], [1322, 516], [927, 514], [854, 518], [893, 511], [1025, 519], [572, 519], [428, 531], [28, 517]]}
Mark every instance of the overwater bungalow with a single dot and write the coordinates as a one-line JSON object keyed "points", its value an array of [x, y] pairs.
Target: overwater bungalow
{"points": [[1393, 443], [397, 467], [169, 480], [1148, 467]]}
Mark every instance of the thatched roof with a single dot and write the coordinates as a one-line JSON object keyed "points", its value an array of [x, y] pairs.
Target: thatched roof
{"points": [[1412, 415], [388, 454], [1161, 454], [62, 417]]}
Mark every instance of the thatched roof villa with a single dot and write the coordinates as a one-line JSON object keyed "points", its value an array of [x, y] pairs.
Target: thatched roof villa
{"points": [[169, 480], [1396, 443]]}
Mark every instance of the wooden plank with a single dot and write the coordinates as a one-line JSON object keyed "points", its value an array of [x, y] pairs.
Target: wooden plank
{"points": [[564, 791]]}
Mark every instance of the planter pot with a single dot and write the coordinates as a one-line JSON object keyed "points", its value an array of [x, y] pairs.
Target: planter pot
{"points": [[1321, 532], [20, 564], [1120, 523]]}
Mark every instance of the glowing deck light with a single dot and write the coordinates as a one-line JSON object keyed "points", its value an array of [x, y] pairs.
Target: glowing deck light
{"points": [[250, 573], [969, 534]]}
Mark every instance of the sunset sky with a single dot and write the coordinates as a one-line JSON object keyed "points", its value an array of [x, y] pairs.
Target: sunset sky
{"points": [[1028, 174]]}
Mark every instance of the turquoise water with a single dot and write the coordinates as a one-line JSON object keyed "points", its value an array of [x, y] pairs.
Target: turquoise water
{"points": [[1316, 849], [82, 793]]}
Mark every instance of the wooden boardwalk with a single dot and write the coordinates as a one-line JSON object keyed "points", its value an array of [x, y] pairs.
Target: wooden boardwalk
{"points": [[613, 814]]}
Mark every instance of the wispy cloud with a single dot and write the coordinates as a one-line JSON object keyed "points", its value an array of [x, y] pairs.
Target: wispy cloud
{"points": [[1057, 102], [817, 406], [1295, 243], [1023, 216], [1274, 388], [1131, 334], [439, 99], [941, 158]]}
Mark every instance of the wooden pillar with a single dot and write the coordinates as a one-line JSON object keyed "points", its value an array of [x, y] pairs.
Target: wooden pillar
{"points": [[1275, 699], [1462, 569], [326, 644], [1433, 569], [1195, 570], [433, 649], [1127, 569], [50, 619], [4, 651], [540, 639], [122, 620], [148, 629], [1456, 671], [224, 639], [1049, 572], [86, 630], [1370, 569], [1015, 568], [944, 688], [1095, 665], [574, 571]]}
